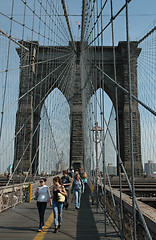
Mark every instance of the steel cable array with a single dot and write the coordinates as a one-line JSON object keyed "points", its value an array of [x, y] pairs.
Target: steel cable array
{"points": [[94, 39], [41, 87], [41, 27]]}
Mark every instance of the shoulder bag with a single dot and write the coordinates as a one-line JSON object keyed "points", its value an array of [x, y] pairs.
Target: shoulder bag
{"points": [[61, 197], [36, 197]]}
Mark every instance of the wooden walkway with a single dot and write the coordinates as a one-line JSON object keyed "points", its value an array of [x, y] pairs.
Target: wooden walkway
{"points": [[22, 223]]}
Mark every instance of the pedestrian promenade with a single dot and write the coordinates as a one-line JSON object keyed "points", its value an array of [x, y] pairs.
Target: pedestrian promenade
{"points": [[85, 223]]}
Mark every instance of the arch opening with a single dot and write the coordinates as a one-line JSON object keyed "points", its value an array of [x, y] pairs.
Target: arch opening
{"points": [[100, 109], [54, 140]]}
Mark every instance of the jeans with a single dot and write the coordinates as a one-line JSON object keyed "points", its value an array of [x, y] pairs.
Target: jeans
{"points": [[57, 208], [41, 210], [77, 194], [67, 190], [85, 185]]}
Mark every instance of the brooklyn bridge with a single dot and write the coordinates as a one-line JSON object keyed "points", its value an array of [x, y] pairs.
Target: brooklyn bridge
{"points": [[77, 91]]}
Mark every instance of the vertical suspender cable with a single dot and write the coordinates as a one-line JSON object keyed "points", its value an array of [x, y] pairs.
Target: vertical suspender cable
{"points": [[68, 24], [130, 122], [98, 59], [117, 119], [95, 109], [103, 127], [83, 17], [6, 74]]}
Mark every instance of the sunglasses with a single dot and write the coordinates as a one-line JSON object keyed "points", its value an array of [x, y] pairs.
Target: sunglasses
{"points": [[41, 181]]}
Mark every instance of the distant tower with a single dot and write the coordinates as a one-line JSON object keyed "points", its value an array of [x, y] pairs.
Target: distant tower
{"points": [[150, 168]]}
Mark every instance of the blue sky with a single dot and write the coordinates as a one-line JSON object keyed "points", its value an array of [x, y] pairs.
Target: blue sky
{"points": [[141, 14]]}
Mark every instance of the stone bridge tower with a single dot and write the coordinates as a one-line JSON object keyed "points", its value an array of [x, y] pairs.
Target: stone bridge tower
{"points": [[29, 106]]}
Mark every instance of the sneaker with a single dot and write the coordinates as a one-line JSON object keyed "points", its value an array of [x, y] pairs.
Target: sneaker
{"points": [[39, 230], [67, 205], [59, 226], [55, 230]]}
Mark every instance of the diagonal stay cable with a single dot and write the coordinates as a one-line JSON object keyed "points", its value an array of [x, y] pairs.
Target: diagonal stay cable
{"points": [[129, 184], [30, 90], [14, 40], [67, 21], [123, 89], [147, 35], [44, 22], [51, 131], [107, 25], [91, 14], [34, 110], [97, 19], [36, 63], [83, 18], [28, 142], [59, 16], [25, 26], [47, 14], [114, 204], [6, 74]]}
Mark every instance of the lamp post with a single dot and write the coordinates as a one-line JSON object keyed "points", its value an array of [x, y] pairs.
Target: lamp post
{"points": [[97, 135]]}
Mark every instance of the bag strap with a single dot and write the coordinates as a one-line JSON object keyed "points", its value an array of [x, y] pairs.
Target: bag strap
{"points": [[82, 184]]}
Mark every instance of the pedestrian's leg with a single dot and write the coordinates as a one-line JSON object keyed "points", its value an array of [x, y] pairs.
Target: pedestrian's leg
{"points": [[60, 207], [79, 198], [67, 193], [43, 208], [66, 204], [76, 198], [39, 211], [55, 210], [67, 198]]}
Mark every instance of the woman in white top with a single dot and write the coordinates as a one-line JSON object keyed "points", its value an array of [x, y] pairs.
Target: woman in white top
{"points": [[43, 196]]}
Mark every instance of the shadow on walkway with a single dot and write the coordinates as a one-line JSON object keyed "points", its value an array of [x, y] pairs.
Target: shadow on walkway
{"points": [[86, 225]]}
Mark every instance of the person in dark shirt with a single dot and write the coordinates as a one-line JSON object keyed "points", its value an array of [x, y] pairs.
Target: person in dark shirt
{"points": [[66, 183], [69, 173], [80, 172]]}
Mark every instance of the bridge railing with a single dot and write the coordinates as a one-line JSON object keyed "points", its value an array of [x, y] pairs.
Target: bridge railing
{"points": [[147, 212], [12, 195]]}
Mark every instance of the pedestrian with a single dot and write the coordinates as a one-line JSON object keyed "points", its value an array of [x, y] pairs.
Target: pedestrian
{"points": [[78, 188], [80, 172], [59, 194], [84, 179], [69, 173], [42, 195], [72, 172], [66, 183], [76, 172]]}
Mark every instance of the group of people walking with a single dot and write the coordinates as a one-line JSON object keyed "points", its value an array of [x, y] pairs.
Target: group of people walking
{"points": [[60, 195]]}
